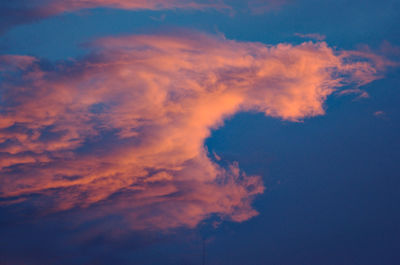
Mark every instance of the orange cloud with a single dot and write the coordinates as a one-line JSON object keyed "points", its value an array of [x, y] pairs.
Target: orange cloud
{"points": [[122, 130]]}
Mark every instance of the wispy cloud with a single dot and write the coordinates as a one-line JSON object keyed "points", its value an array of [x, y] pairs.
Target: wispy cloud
{"points": [[380, 114], [18, 12], [122, 131], [313, 36], [354, 91]]}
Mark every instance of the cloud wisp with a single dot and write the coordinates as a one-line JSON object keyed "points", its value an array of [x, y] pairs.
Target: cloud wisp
{"points": [[19, 12], [313, 36], [122, 130]]}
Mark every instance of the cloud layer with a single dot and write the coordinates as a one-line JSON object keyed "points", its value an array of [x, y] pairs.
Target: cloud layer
{"points": [[122, 130]]}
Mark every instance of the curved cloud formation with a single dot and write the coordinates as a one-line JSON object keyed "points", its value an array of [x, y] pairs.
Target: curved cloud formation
{"points": [[122, 131]]}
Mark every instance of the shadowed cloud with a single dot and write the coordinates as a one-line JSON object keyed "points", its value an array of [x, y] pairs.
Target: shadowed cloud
{"points": [[122, 130]]}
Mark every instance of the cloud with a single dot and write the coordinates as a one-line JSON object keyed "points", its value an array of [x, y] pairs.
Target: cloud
{"points": [[19, 12], [122, 130], [313, 36], [380, 114], [62, 6], [354, 91]]}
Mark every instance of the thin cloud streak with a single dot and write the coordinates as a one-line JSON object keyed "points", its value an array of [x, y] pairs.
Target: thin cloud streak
{"points": [[122, 130], [19, 12], [313, 36]]}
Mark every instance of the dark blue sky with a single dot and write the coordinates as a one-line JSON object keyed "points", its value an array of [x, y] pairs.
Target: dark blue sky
{"points": [[331, 181]]}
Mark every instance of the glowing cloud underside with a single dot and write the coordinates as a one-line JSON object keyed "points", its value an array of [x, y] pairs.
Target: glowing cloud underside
{"points": [[122, 130]]}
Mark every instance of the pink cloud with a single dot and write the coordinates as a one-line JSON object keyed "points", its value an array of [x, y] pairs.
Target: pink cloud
{"points": [[20, 12], [122, 131], [71, 5], [352, 91], [17, 12], [380, 114]]}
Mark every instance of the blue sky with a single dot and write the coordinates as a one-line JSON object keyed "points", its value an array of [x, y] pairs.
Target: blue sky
{"points": [[140, 164]]}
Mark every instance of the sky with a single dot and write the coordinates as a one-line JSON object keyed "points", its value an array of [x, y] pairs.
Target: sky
{"points": [[184, 132]]}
